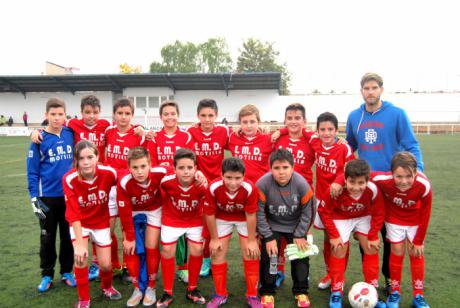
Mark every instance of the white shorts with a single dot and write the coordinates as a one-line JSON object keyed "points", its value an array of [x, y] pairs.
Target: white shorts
{"points": [[101, 237], [397, 234], [225, 228], [113, 207], [360, 225], [318, 224], [153, 217], [170, 235]]}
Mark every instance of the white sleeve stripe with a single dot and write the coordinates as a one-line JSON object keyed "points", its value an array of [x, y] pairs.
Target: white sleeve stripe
{"points": [[214, 186], [382, 177], [70, 177], [125, 180], [158, 169], [168, 178], [373, 188], [248, 187], [426, 184]]}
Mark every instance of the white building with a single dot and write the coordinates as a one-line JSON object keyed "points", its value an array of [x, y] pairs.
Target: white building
{"points": [[231, 91]]}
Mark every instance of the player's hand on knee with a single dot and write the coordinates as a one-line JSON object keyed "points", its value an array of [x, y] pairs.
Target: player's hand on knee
{"points": [[417, 250], [215, 245], [373, 244], [253, 250], [272, 248], [129, 247], [336, 243], [80, 254]]}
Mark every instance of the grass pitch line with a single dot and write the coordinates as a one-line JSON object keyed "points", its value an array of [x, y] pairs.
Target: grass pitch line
{"points": [[11, 161], [15, 175]]}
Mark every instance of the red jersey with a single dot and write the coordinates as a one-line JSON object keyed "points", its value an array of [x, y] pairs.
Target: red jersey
{"points": [[163, 147], [330, 163], [406, 208], [95, 133], [346, 207], [182, 206], [254, 151], [231, 207], [303, 154], [118, 146], [88, 201], [209, 149], [134, 196]]}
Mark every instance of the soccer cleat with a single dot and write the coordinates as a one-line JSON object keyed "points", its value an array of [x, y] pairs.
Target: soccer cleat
{"points": [[112, 294], [253, 302], [267, 301], [393, 300], [150, 297], [135, 298], [217, 301], [69, 279], [280, 277], [195, 297], [336, 300], [117, 271], [325, 282], [205, 267], [165, 300], [82, 304], [45, 284], [302, 300], [419, 302], [93, 272], [182, 275], [380, 304]]}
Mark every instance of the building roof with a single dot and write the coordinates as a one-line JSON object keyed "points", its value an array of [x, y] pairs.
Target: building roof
{"points": [[118, 82]]}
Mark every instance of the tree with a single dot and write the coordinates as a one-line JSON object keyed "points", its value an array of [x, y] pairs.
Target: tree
{"points": [[211, 56], [258, 56], [127, 69]]}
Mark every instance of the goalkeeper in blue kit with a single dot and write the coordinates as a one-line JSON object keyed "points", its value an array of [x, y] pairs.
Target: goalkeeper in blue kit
{"points": [[46, 165], [286, 210]]}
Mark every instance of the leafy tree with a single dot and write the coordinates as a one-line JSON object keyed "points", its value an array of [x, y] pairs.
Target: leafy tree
{"points": [[211, 56], [128, 69], [258, 56]]}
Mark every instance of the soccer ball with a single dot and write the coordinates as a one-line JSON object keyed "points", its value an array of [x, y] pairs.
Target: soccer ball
{"points": [[363, 295]]}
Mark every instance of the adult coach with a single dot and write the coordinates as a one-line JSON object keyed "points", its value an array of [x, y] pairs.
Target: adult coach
{"points": [[378, 130]]}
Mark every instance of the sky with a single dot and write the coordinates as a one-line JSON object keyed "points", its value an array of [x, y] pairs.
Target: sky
{"points": [[327, 45]]}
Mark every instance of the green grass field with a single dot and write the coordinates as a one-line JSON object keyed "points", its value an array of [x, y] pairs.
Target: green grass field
{"points": [[19, 233]]}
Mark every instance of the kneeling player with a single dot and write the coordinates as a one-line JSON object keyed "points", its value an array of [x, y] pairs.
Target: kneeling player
{"points": [[286, 210], [86, 190], [359, 209], [182, 214], [408, 198], [232, 204], [137, 193]]}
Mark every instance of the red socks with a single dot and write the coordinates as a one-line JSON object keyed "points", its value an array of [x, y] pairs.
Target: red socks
{"points": [[167, 271], [106, 278], [153, 262], [417, 268], [337, 273], [81, 277], [194, 267], [114, 252], [219, 275], [371, 269], [133, 265], [251, 274], [396, 266]]}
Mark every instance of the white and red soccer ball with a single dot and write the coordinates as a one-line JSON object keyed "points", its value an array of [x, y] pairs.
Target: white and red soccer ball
{"points": [[363, 295]]}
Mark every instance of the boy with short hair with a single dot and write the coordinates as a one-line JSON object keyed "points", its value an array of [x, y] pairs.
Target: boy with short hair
{"points": [[47, 162], [182, 214], [231, 203], [286, 210], [359, 209]]}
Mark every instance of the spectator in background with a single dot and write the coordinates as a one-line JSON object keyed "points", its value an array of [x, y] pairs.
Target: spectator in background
{"points": [[224, 121], [24, 118], [2, 120], [10, 121]]}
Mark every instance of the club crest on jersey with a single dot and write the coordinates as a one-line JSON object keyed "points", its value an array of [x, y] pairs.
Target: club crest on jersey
{"points": [[370, 136]]}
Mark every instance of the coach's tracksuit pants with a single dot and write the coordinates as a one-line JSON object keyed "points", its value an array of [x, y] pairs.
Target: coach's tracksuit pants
{"points": [[300, 269], [48, 229]]}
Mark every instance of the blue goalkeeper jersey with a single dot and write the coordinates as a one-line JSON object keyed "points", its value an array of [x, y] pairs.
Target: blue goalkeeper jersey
{"points": [[48, 162]]}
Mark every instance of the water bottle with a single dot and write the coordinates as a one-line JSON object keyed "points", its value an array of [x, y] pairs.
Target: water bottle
{"points": [[273, 265]]}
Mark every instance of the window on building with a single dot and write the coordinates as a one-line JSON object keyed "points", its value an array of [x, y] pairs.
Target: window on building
{"points": [[154, 102], [141, 102]]}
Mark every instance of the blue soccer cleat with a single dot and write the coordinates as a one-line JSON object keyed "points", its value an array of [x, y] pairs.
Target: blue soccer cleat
{"points": [[205, 267], [393, 300], [93, 272], [280, 277], [69, 279], [336, 300], [380, 304], [419, 302], [45, 284]]}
